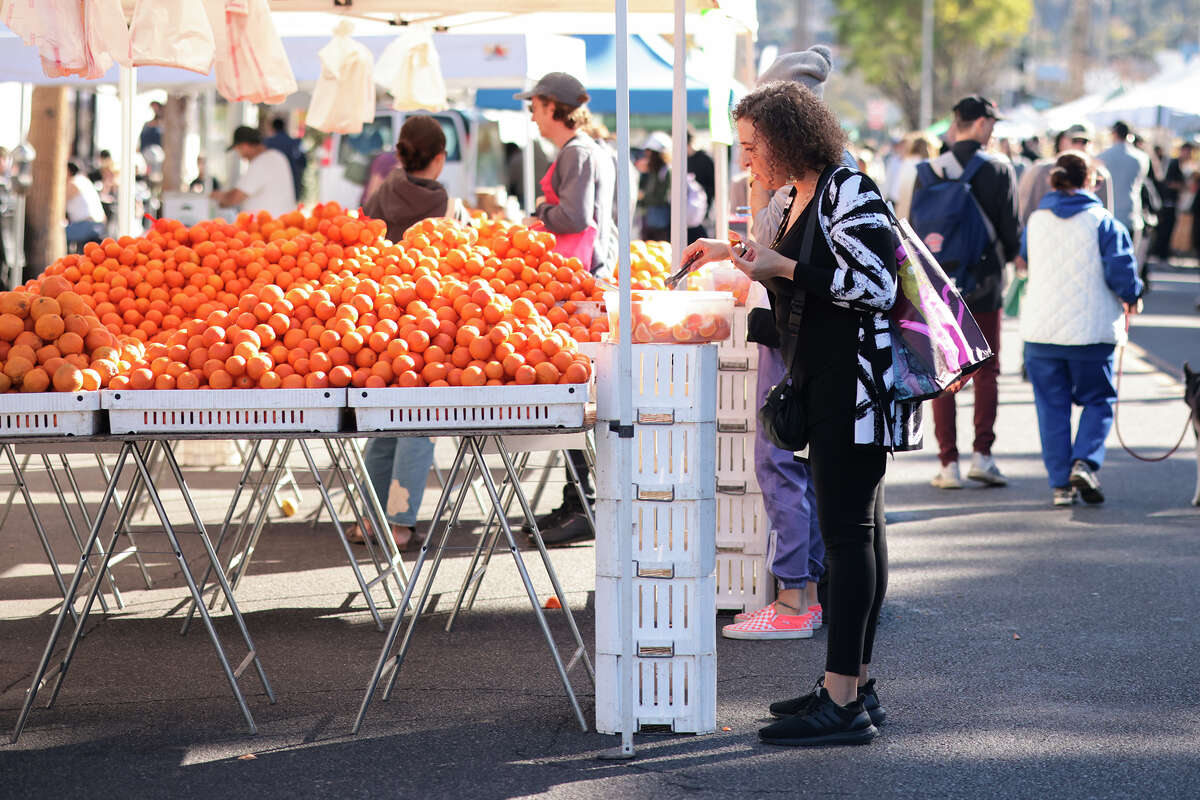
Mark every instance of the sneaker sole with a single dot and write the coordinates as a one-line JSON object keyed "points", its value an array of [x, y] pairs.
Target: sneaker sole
{"points": [[765, 635], [1090, 494], [987, 480], [864, 736], [945, 485], [878, 716]]}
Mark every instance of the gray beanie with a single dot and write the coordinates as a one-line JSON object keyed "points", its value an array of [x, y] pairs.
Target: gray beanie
{"points": [[809, 67]]}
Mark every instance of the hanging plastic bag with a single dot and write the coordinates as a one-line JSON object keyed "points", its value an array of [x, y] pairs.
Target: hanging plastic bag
{"points": [[344, 97], [411, 71], [172, 33], [55, 28], [107, 36], [251, 64]]}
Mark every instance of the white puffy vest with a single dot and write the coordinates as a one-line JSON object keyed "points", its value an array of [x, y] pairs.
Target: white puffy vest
{"points": [[1066, 299]]}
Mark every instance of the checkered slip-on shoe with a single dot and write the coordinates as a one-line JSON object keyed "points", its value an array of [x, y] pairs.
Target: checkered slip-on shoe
{"points": [[815, 610], [771, 626]]}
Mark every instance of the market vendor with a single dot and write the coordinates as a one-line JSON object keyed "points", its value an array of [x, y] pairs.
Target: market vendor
{"points": [[267, 184], [578, 191], [578, 197]]}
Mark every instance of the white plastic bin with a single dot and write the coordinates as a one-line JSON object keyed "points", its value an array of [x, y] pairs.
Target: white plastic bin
{"points": [[671, 383], [677, 694], [676, 540], [742, 524], [743, 582], [49, 414], [470, 407], [224, 411], [735, 352], [735, 464], [671, 617], [670, 462]]}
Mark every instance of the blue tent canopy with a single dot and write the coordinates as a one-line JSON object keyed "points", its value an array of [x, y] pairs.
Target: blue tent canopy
{"points": [[650, 80]]}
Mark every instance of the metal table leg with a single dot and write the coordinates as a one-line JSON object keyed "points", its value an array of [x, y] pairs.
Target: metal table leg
{"points": [[369, 527], [490, 485], [39, 673], [321, 487], [435, 535], [66, 509]]}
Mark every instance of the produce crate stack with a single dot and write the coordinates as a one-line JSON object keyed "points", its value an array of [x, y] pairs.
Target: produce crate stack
{"points": [[674, 545], [743, 530]]}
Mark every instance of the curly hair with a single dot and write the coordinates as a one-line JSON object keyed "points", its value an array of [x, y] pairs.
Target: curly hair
{"points": [[798, 131]]}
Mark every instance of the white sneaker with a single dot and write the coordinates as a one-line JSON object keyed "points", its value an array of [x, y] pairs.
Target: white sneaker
{"points": [[984, 470], [948, 477]]}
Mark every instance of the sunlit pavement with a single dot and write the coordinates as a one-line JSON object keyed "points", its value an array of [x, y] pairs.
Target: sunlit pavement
{"points": [[1024, 651]]}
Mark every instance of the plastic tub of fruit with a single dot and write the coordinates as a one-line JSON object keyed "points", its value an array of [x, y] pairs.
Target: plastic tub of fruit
{"points": [[674, 317], [721, 276]]}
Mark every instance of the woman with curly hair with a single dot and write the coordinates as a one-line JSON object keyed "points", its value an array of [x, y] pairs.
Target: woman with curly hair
{"points": [[831, 272]]}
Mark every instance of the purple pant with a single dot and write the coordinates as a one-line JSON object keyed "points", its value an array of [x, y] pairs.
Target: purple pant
{"points": [[798, 553]]}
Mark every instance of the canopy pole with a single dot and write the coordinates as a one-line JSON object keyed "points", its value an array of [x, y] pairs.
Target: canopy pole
{"points": [[624, 377], [679, 136], [126, 202], [720, 157], [527, 163]]}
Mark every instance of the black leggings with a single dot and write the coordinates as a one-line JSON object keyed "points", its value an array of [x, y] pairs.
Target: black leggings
{"points": [[848, 481]]}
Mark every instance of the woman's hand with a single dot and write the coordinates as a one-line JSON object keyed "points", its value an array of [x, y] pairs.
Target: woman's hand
{"points": [[705, 251], [760, 263]]}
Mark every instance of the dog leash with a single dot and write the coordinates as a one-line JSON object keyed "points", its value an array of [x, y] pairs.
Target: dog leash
{"points": [[1117, 414]]}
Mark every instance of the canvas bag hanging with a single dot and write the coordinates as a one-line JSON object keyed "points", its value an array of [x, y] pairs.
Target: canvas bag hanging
{"points": [[411, 71], [344, 97], [936, 343], [172, 33]]}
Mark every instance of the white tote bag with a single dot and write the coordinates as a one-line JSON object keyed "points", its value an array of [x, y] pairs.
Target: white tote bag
{"points": [[411, 71]]}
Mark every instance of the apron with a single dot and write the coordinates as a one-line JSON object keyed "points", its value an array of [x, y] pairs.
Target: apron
{"points": [[578, 245]]}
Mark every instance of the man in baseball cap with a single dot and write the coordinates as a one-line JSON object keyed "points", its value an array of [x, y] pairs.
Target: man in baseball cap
{"points": [[559, 87], [974, 107]]}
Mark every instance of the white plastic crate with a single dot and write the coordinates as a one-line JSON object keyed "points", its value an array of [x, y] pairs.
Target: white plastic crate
{"points": [[670, 462], [743, 582], [464, 407], [735, 352], [737, 400], [742, 524], [677, 694], [671, 383], [735, 463], [670, 540], [49, 414], [671, 617], [224, 411]]}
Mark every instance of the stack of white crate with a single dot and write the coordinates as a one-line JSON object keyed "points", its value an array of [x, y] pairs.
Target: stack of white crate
{"points": [[743, 530], [674, 546]]}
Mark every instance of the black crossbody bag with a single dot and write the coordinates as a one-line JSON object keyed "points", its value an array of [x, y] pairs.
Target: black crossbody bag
{"points": [[783, 417]]}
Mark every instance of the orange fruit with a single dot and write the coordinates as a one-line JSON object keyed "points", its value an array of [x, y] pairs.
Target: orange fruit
{"points": [[17, 367], [49, 326], [44, 305], [525, 375], [11, 325], [35, 380], [15, 303], [340, 376]]}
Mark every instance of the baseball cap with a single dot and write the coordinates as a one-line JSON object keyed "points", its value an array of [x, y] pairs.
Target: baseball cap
{"points": [[1080, 130], [245, 135], [974, 106], [559, 86], [657, 141]]}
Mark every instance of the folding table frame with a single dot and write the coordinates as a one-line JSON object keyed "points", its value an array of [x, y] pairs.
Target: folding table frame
{"points": [[470, 452]]}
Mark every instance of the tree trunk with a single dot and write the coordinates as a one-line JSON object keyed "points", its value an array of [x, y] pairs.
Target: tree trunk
{"points": [[175, 115], [46, 207], [1080, 41]]}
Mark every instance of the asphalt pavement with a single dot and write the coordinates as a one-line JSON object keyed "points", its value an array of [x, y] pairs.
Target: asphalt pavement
{"points": [[1024, 651]]}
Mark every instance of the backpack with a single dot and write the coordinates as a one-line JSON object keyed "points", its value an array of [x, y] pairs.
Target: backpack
{"points": [[950, 222]]}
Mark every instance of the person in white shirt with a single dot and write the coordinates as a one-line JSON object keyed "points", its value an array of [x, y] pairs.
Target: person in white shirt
{"points": [[267, 184], [85, 212]]}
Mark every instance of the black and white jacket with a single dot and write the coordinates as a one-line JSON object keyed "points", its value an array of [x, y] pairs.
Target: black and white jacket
{"points": [[854, 220]]}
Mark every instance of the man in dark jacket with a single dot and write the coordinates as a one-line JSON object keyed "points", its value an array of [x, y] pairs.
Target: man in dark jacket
{"points": [[994, 187]]}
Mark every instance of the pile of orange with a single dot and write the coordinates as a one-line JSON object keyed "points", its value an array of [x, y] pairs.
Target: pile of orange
{"points": [[322, 299], [50, 340]]}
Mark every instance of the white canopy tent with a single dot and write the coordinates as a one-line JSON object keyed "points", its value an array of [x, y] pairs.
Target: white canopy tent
{"points": [[1169, 101], [593, 16]]}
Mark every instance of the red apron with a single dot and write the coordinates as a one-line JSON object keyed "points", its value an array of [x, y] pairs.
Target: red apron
{"points": [[578, 245]]}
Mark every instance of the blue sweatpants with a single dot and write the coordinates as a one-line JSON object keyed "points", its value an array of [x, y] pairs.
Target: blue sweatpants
{"points": [[788, 494], [1058, 383]]}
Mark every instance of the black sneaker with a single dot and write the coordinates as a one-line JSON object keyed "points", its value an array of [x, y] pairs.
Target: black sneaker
{"points": [[797, 705], [1083, 479], [573, 528], [823, 723], [552, 519]]}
